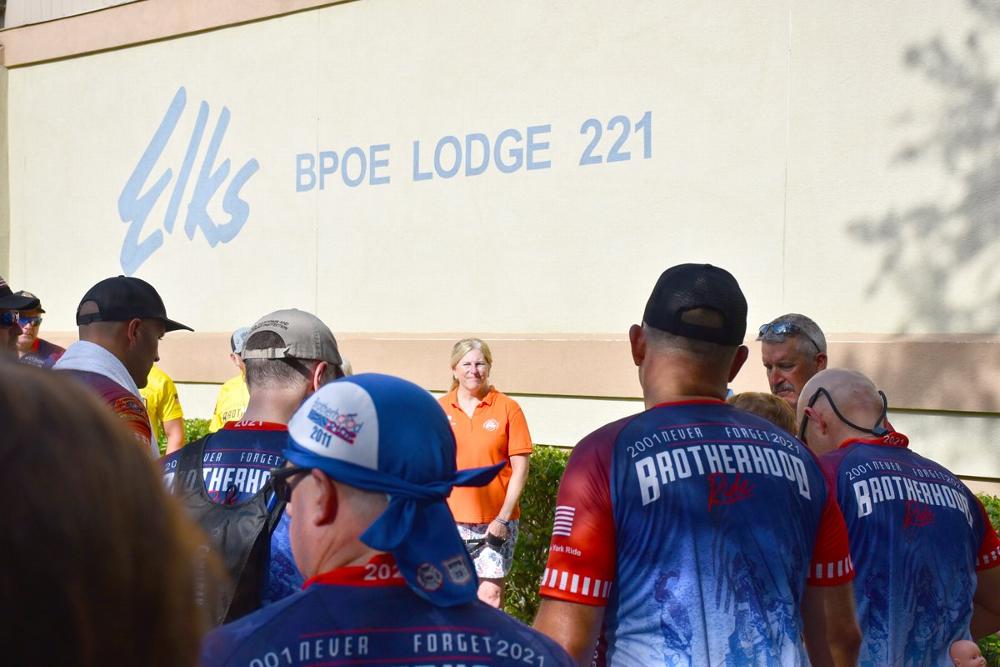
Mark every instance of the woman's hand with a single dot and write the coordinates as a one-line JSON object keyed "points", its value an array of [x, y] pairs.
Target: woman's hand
{"points": [[498, 528]]}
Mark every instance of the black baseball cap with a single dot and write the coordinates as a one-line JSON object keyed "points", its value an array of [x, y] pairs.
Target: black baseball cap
{"points": [[19, 301], [123, 298], [688, 286], [29, 295]]}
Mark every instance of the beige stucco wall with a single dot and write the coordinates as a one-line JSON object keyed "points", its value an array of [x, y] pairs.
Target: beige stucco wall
{"points": [[776, 127], [4, 178], [825, 153]]}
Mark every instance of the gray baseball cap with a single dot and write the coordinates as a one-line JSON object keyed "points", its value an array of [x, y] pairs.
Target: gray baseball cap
{"points": [[304, 336]]}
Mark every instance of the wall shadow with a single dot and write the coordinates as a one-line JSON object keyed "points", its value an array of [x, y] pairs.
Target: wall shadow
{"points": [[949, 244]]}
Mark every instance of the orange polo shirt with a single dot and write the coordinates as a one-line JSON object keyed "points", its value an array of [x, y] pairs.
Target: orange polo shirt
{"points": [[496, 431]]}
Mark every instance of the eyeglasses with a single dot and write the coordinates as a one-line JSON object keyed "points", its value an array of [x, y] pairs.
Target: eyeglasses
{"points": [[281, 481], [9, 318], [782, 329], [29, 321], [877, 430]]}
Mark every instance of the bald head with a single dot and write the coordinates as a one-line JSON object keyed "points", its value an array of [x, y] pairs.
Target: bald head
{"points": [[965, 653], [856, 398]]}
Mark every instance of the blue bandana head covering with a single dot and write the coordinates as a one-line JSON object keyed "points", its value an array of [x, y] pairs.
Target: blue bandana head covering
{"points": [[384, 434]]}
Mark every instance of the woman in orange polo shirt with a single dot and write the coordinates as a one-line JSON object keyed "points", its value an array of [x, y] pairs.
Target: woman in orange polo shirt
{"points": [[489, 428]]}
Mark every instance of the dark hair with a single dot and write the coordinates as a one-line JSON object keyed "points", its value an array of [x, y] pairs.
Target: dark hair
{"points": [[279, 373], [98, 560], [770, 407]]}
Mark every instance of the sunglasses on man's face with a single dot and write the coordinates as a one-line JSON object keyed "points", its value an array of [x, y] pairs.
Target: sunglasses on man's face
{"points": [[29, 321], [9, 318], [281, 481]]}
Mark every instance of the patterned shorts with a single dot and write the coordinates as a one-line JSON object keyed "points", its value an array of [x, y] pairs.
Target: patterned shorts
{"points": [[490, 563]]}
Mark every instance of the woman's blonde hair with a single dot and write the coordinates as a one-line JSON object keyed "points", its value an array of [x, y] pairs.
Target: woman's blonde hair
{"points": [[463, 347]]}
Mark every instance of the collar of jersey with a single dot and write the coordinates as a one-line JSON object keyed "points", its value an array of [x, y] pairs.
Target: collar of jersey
{"points": [[890, 439], [692, 401], [254, 426], [372, 574]]}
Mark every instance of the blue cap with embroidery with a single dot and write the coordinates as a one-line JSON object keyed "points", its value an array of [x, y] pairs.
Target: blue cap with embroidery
{"points": [[384, 434]]}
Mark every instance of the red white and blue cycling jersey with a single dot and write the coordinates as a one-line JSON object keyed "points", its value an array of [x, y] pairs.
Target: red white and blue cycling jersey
{"points": [[698, 526], [127, 406], [238, 462], [367, 615], [918, 536]]}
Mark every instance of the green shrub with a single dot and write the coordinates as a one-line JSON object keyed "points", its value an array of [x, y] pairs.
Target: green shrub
{"points": [[193, 429], [990, 646], [538, 502]]}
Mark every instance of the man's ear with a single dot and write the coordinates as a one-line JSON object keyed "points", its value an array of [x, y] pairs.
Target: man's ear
{"points": [[637, 341], [318, 378], [132, 329], [821, 360], [816, 417], [326, 501], [742, 354]]}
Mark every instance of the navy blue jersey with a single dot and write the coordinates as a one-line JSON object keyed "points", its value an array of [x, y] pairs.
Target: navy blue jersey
{"points": [[367, 615], [698, 526], [917, 537], [238, 462]]}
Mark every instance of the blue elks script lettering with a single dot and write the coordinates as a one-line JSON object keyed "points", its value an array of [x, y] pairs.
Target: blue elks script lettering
{"points": [[134, 205]]}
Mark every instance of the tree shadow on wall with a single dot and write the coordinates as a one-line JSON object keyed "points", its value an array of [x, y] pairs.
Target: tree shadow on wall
{"points": [[943, 255]]}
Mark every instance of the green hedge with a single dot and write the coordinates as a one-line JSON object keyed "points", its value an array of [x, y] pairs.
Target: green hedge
{"points": [[193, 429], [538, 502]]}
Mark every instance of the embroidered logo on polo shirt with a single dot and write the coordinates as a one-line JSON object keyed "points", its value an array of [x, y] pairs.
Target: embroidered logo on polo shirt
{"points": [[491, 425]]}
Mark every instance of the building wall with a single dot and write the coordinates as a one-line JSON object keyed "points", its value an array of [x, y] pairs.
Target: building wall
{"points": [[838, 158], [23, 12], [4, 177]]}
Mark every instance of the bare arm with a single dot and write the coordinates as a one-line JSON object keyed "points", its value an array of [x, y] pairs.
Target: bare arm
{"points": [[174, 430], [986, 610], [830, 627], [518, 477], [573, 626]]}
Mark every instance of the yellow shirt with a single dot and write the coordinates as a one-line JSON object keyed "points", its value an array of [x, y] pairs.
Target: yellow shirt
{"points": [[160, 396], [231, 403]]}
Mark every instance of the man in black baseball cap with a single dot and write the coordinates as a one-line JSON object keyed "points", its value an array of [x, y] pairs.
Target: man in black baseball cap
{"points": [[725, 544], [121, 321], [10, 306], [124, 298]]}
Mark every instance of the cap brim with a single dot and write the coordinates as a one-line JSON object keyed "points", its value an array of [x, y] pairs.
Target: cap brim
{"points": [[14, 302], [174, 326]]}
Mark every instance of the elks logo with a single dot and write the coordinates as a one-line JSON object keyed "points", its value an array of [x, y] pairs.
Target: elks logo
{"points": [[343, 425], [198, 203], [491, 425]]}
